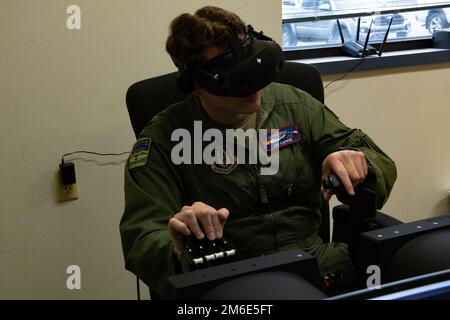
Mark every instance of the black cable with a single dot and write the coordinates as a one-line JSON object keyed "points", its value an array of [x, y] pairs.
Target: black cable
{"points": [[96, 153], [350, 70], [138, 288]]}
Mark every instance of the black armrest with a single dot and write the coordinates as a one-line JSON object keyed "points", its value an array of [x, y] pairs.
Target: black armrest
{"points": [[342, 220], [385, 220]]}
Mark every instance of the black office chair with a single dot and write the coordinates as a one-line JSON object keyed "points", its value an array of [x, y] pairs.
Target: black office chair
{"points": [[148, 97]]}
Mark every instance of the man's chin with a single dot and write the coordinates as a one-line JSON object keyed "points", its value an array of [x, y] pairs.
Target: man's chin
{"points": [[252, 97], [251, 103]]}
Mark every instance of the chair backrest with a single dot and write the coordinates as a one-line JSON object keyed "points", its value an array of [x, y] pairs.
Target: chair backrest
{"points": [[148, 97]]}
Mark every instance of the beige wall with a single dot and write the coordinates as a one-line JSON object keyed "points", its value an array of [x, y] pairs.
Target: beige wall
{"points": [[407, 112], [62, 91]]}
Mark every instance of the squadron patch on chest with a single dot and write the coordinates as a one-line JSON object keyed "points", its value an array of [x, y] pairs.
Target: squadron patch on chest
{"points": [[285, 136], [226, 166], [139, 154]]}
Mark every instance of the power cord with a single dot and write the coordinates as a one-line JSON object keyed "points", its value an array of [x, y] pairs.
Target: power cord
{"points": [[138, 289], [95, 153], [65, 176], [345, 74]]}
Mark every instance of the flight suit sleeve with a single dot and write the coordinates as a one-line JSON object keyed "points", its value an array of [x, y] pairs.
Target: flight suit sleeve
{"points": [[153, 194], [329, 134]]}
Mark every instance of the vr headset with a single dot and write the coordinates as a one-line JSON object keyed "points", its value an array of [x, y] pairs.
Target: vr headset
{"points": [[244, 68]]}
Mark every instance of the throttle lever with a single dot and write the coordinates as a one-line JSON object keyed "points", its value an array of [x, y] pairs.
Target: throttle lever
{"points": [[334, 186], [363, 204], [199, 254]]}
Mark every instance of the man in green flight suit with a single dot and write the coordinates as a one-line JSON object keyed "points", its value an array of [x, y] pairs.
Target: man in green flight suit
{"points": [[166, 200]]}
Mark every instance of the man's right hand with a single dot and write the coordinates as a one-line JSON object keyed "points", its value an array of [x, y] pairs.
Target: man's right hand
{"points": [[195, 218]]}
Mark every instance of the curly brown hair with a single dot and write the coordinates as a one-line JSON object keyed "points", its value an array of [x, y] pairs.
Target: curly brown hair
{"points": [[191, 34]]}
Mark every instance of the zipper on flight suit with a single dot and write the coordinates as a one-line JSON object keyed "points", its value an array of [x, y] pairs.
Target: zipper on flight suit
{"points": [[265, 200], [261, 190], [292, 176], [289, 188], [234, 198]]}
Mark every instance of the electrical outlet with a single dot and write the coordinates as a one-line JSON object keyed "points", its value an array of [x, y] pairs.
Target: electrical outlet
{"points": [[65, 192]]}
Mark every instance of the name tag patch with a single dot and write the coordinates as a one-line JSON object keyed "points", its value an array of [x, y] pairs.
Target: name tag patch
{"points": [[285, 137], [139, 154]]}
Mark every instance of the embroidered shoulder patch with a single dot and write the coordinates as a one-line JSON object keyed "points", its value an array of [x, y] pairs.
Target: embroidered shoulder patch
{"points": [[139, 154]]}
